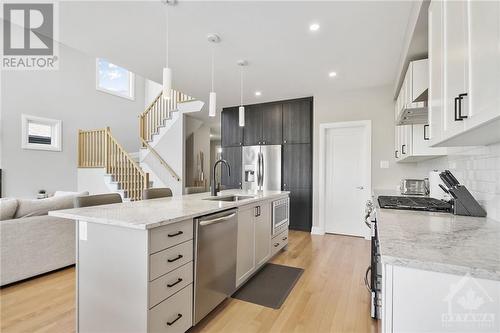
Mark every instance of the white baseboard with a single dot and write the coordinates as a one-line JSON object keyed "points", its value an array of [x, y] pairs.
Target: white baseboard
{"points": [[317, 231]]}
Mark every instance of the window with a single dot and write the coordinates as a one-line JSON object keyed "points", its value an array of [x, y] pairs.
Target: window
{"points": [[41, 133], [113, 79]]}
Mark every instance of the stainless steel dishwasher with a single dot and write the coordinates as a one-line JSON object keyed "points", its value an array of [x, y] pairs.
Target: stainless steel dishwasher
{"points": [[215, 260]]}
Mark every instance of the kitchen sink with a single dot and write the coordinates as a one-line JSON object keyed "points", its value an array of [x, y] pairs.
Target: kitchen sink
{"points": [[230, 198]]}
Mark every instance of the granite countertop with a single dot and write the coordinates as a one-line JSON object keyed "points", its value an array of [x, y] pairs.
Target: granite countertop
{"points": [[147, 214], [439, 242]]}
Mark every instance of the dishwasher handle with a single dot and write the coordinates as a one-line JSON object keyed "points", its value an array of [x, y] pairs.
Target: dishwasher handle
{"points": [[217, 220]]}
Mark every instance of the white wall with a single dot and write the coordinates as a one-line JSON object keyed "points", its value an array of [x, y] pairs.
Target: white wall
{"points": [[375, 104], [478, 169], [92, 180], [151, 90], [68, 94]]}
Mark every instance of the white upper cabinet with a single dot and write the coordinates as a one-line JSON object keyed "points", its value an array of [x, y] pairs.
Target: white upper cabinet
{"points": [[411, 107], [469, 75], [436, 54], [484, 62], [455, 64]]}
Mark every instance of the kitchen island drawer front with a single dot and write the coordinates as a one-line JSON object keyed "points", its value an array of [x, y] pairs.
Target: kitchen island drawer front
{"points": [[174, 315], [279, 242], [167, 260], [167, 285], [167, 236]]}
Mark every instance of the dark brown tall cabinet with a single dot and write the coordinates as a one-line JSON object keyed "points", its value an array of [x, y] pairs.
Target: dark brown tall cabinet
{"points": [[286, 123]]}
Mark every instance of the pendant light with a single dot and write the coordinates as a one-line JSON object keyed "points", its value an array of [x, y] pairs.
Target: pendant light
{"points": [[241, 109], [212, 104], [167, 71]]}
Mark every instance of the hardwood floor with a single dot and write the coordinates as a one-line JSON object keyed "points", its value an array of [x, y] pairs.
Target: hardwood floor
{"points": [[330, 296]]}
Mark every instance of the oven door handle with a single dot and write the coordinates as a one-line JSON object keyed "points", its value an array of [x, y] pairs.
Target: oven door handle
{"points": [[367, 284]]}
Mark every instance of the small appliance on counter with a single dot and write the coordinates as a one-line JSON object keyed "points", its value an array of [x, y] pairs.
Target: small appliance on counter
{"points": [[414, 187], [463, 201]]}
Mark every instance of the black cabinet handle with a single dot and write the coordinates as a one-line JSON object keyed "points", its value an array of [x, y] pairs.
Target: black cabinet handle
{"points": [[460, 98], [175, 234], [276, 244], [179, 280], [403, 151], [170, 323], [396, 154], [176, 258], [457, 100], [426, 137]]}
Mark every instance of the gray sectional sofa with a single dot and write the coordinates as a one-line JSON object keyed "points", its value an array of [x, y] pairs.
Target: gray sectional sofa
{"points": [[32, 242]]}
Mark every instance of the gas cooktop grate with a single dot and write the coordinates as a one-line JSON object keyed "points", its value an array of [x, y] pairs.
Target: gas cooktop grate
{"points": [[414, 203]]}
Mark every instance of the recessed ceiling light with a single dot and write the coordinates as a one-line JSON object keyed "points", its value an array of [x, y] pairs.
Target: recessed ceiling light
{"points": [[332, 74], [258, 93], [314, 27]]}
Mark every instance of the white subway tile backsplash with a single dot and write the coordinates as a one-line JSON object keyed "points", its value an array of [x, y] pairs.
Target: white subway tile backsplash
{"points": [[478, 168]]}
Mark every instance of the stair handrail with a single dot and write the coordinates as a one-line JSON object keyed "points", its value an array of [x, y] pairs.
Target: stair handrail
{"points": [[162, 161], [158, 111], [99, 148]]}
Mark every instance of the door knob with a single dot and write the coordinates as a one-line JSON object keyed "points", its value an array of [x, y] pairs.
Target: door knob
{"points": [[360, 187]]}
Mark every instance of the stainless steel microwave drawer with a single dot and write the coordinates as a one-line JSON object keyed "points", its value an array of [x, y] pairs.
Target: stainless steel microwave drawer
{"points": [[167, 236]]}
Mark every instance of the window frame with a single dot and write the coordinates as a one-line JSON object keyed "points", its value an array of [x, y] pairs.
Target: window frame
{"points": [[56, 129], [131, 96]]}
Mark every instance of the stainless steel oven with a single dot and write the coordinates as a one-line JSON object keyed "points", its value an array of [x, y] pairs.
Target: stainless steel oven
{"points": [[373, 275], [281, 210]]}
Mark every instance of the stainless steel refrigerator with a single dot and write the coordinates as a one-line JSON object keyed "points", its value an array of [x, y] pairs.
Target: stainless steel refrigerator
{"points": [[261, 168]]}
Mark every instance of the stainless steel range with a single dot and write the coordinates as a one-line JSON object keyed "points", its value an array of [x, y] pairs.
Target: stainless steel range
{"points": [[373, 275], [414, 203]]}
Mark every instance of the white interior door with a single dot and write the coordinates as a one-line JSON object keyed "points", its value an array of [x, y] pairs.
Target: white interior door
{"points": [[347, 188]]}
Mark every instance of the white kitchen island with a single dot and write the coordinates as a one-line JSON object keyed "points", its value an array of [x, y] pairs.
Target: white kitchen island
{"points": [[135, 260]]}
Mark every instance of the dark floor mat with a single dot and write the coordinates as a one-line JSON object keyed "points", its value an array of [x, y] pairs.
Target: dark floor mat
{"points": [[270, 287]]}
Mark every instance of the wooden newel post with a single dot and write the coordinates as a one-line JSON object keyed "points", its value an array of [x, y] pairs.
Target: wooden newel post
{"points": [[146, 180]]}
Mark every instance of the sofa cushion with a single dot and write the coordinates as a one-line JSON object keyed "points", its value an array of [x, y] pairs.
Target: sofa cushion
{"points": [[38, 207], [8, 208]]}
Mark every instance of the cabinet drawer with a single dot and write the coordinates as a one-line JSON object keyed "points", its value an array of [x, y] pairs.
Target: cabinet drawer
{"points": [[167, 260], [167, 285], [174, 314], [279, 242], [164, 237]]}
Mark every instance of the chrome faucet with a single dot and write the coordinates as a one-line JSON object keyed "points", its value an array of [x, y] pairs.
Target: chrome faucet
{"points": [[214, 186]]}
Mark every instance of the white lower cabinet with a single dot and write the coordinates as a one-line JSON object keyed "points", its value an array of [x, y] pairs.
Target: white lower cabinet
{"points": [[173, 315], [415, 300], [262, 242], [279, 241], [245, 251], [254, 239], [413, 144]]}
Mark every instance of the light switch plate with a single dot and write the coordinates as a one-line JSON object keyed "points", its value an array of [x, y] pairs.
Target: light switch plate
{"points": [[384, 164], [82, 230]]}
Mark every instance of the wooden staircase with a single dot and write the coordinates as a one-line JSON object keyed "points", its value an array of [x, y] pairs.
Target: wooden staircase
{"points": [[99, 149], [159, 112]]}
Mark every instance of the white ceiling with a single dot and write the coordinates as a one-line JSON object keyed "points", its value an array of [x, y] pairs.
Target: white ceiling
{"points": [[361, 40]]}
